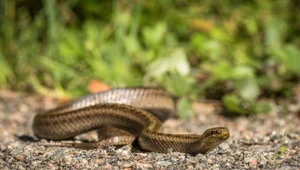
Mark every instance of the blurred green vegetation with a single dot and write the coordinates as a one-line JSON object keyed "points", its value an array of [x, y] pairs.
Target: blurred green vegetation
{"points": [[239, 52]]}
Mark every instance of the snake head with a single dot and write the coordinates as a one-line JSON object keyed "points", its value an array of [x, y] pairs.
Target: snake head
{"points": [[209, 140]]}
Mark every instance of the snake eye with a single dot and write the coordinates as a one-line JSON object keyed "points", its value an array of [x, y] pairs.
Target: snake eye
{"points": [[214, 131]]}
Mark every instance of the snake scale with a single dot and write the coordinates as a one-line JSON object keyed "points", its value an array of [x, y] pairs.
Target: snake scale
{"points": [[121, 116]]}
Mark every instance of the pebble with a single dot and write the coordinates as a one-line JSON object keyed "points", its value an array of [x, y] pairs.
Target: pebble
{"points": [[210, 161], [68, 159], [108, 167], [248, 159], [20, 157], [181, 158], [2, 147], [253, 162], [98, 161], [84, 161], [143, 165], [58, 154], [189, 167], [21, 167], [227, 164], [232, 154], [34, 163], [127, 165], [163, 163]]}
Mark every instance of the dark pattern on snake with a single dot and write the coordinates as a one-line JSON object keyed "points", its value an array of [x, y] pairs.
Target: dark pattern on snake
{"points": [[122, 115]]}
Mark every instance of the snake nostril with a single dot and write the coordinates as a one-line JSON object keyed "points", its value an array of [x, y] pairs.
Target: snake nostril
{"points": [[126, 109]]}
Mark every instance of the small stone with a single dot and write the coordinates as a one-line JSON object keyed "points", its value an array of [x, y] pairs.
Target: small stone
{"points": [[124, 152], [189, 167], [210, 161], [216, 166], [34, 163], [174, 159], [98, 161], [20, 167], [50, 165], [125, 157], [84, 161], [266, 139], [230, 159], [2, 155], [164, 163], [225, 146], [20, 157], [181, 158], [2, 147], [68, 159], [9, 160], [143, 166], [248, 159], [228, 164], [292, 135], [220, 151], [142, 154], [263, 160], [201, 158], [107, 167], [58, 154], [127, 165], [253, 162]]}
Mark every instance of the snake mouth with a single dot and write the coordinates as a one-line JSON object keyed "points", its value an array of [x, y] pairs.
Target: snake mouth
{"points": [[130, 110], [226, 134]]}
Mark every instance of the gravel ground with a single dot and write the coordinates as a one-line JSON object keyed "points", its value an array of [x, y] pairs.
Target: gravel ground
{"points": [[269, 141]]}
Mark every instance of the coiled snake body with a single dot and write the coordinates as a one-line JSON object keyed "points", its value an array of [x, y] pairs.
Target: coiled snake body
{"points": [[122, 115]]}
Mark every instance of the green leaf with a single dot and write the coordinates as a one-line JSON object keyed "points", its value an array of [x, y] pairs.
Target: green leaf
{"points": [[220, 35], [132, 45], [153, 36], [275, 30], [220, 71], [5, 70], [261, 108], [242, 72], [178, 85], [251, 25], [184, 108], [175, 62], [289, 55], [248, 89], [232, 103]]}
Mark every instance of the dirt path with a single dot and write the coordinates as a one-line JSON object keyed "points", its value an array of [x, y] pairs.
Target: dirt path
{"points": [[267, 141]]}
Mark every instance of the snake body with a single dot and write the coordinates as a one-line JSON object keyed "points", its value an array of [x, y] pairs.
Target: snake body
{"points": [[122, 115]]}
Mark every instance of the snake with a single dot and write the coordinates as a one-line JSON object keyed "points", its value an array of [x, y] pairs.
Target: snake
{"points": [[124, 116]]}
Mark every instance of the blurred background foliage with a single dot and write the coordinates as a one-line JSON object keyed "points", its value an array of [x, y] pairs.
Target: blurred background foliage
{"points": [[238, 52]]}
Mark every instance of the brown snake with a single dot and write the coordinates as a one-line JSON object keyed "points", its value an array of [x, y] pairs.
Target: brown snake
{"points": [[122, 115]]}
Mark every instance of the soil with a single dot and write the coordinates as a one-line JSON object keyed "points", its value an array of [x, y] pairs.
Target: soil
{"points": [[263, 141]]}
